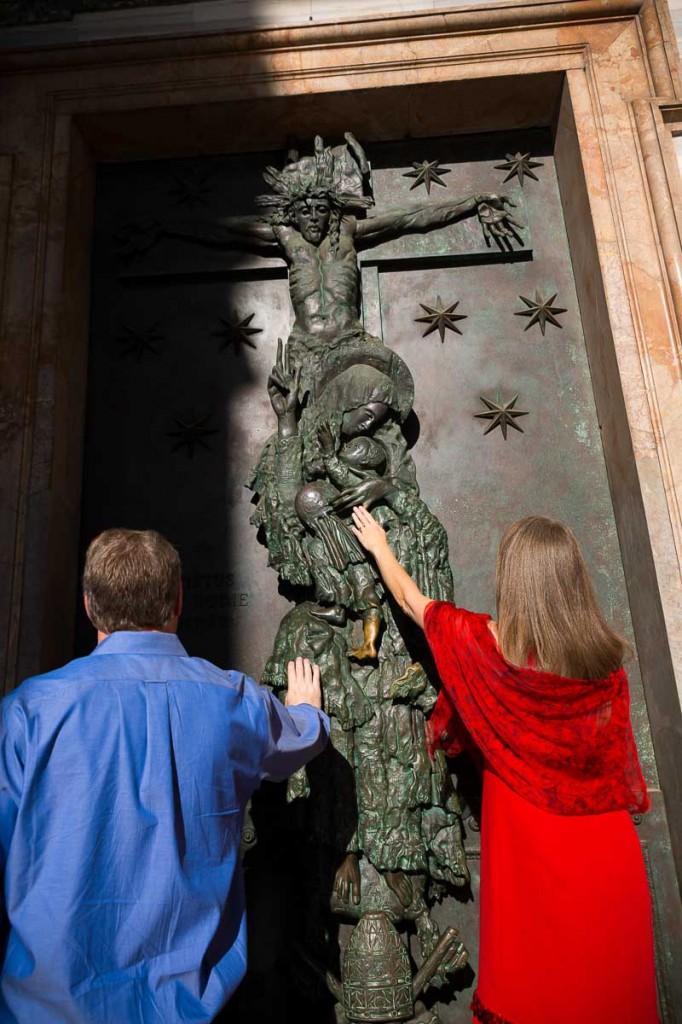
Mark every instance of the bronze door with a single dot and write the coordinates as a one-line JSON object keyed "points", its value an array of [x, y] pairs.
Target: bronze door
{"points": [[183, 338]]}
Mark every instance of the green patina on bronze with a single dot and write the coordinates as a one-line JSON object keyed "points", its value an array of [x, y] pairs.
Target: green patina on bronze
{"points": [[379, 809]]}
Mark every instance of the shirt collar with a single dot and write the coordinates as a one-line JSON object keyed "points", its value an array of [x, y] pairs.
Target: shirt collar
{"points": [[141, 642]]}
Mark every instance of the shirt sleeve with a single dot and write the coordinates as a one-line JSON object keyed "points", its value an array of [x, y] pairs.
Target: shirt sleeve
{"points": [[294, 736], [12, 757]]}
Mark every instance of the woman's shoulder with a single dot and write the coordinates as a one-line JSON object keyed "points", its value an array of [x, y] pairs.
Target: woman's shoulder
{"points": [[444, 615]]}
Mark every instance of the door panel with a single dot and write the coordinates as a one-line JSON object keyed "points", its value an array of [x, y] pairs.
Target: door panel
{"points": [[178, 413]]}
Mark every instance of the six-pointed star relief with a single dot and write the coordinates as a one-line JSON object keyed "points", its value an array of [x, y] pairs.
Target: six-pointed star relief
{"points": [[440, 318], [501, 415], [140, 340], [427, 172], [192, 431], [541, 311], [189, 190], [237, 332], [519, 164]]}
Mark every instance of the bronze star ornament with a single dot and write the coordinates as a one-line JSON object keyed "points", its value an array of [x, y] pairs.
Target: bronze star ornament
{"points": [[440, 318], [189, 191], [237, 332], [541, 311], [501, 415], [192, 431], [427, 172], [140, 340], [519, 164]]}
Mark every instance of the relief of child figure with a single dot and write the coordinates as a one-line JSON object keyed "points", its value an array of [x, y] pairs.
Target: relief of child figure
{"points": [[344, 579], [360, 458]]}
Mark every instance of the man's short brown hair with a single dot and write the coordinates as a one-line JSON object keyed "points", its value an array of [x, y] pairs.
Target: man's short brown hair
{"points": [[131, 580]]}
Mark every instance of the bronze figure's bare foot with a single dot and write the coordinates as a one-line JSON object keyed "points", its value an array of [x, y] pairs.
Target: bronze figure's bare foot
{"points": [[371, 628], [347, 879], [367, 652]]}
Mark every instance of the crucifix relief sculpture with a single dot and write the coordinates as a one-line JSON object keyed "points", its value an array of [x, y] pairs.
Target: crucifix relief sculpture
{"points": [[383, 817]]}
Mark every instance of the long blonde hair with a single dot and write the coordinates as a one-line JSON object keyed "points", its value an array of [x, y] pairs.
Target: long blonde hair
{"points": [[546, 606]]}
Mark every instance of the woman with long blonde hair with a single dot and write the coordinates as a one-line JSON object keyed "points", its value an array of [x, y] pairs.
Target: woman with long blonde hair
{"points": [[565, 915]]}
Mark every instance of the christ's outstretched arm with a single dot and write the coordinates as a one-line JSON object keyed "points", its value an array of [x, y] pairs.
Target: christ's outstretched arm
{"points": [[249, 233], [245, 231], [496, 220]]}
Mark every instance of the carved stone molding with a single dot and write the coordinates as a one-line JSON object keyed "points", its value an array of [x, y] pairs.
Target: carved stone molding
{"points": [[662, 50], [258, 36], [666, 193]]}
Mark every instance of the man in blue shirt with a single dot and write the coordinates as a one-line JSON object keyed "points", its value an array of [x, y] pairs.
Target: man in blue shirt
{"points": [[123, 782]]}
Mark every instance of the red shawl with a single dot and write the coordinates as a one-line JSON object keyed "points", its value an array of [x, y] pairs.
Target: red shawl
{"points": [[565, 745]]}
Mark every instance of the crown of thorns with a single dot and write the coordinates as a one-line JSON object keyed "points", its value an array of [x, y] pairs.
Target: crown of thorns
{"points": [[309, 178]]}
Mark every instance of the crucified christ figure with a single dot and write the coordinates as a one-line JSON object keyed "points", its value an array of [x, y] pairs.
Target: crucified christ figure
{"points": [[314, 225]]}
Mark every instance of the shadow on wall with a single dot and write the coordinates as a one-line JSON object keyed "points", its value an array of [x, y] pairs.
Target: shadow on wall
{"points": [[183, 335]]}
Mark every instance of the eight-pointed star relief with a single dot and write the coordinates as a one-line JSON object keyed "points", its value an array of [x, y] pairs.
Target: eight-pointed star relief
{"points": [[519, 164], [541, 311], [191, 191], [427, 172], [140, 340], [237, 332], [441, 318], [192, 431], [501, 415]]}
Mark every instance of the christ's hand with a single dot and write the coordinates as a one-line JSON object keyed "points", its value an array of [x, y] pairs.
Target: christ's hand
{"points": [[497, 222]]}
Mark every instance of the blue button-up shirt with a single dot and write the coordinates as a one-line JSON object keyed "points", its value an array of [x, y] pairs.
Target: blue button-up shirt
{"points": [[123, 782]]}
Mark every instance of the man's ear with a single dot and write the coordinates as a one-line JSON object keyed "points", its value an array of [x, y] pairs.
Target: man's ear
{"points": [[86, 605]]}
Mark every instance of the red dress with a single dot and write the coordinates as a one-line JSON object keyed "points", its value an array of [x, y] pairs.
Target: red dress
{"points": [[565, 914]]}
